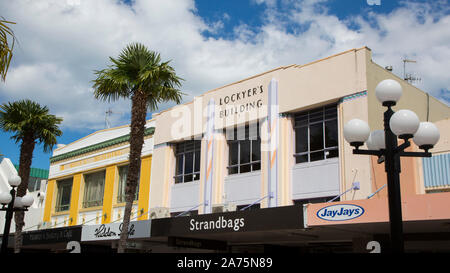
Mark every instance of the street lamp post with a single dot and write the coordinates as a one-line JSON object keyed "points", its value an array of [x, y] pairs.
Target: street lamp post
{"points": [[403, 124], [10, 203]]}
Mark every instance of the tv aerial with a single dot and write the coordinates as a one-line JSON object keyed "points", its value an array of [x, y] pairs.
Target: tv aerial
{"points": [[408, 76], [108, 113]]}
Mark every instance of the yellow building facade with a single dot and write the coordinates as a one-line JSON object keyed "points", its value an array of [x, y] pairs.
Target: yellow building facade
{"points": [[87, 179]]}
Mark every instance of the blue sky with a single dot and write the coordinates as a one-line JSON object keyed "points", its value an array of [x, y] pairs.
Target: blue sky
{"points": [[210, 43]]}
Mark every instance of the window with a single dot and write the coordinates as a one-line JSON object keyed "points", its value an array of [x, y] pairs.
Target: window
{"points": [[248, 207], [94, 185], [244, 149], [301, 202], [316, 134], [64, 188], [123, 174], [34, 184], [187, 154]]}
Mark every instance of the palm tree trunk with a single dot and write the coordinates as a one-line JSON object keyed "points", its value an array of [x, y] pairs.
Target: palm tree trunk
{"points": [[26, 156], [138, 114]]}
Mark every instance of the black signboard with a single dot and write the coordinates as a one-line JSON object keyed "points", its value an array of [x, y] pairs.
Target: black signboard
{"points": [[53, 235], [279, 218]]}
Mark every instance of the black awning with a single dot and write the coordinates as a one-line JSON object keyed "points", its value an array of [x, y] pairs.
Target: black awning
{"points": [[279, 218], [52, 236]]}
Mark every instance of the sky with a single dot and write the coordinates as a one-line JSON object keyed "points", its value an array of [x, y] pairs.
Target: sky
{"points": [[60, 43]]}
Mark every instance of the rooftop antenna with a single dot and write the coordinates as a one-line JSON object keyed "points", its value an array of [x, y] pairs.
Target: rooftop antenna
{"points": [[108, 113], [408, 76]]}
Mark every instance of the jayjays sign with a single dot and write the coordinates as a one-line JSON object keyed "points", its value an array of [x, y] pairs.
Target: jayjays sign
{"points": [[341, 212]]}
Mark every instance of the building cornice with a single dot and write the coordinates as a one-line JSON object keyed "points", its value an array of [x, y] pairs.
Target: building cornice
{"points": [[98, 146]]}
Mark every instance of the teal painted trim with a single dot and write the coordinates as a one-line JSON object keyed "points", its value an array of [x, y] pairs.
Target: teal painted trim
{"points": [[354, 96], [98, 146], [436, 171], [36, 172]]}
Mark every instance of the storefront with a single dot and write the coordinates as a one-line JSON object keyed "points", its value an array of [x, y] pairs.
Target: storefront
{"points": [[246, 167], [238, 231]]}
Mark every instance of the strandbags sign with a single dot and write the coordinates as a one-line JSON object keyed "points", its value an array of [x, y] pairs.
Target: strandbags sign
{"points": [[340, 212], [136, 229]]}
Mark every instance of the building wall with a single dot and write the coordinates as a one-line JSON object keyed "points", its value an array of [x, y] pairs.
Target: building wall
{"points": [[436, 170], [320, 83], [33, 216], [412, 98], [426, 107], [108, 158], [354, 168]]}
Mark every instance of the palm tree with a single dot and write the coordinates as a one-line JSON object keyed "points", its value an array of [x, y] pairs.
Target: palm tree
{"points": [[5, 49], [30, 123], [139, 74]]}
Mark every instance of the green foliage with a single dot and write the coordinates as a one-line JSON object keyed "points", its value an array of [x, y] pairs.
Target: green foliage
{"points": [[26, 118], [5, 49], [138, 68]]}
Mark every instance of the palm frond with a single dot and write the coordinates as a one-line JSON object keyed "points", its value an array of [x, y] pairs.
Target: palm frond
{"points": [[138, 68], [27, 118], [6, 51]]}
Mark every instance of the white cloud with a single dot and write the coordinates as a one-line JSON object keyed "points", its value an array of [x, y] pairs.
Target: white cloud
{"points": [[62, 42]]}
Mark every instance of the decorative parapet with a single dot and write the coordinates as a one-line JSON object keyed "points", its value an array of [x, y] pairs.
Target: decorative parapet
{"points": [[98, 146]]}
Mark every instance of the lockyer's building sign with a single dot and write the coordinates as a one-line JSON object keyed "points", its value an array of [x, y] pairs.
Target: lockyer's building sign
{"points": [[241, 101]]}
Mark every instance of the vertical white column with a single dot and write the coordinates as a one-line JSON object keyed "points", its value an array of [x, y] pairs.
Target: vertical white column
{"points": [[209, 152], [273, 123]]}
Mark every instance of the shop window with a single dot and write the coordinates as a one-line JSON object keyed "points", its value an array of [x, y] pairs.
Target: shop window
{"points": [[187, 155], [94, 185], [244, 149], [123, 174], [64, 191], [316, 134]]}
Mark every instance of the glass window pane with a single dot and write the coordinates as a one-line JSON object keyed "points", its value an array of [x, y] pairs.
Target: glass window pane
{"points": [[256, 166], [123, 173], [64, 193], [198, 144], [197, 176], [233, 170], [330, 112], [316, 115], [316, 136], [234, 153], [189, 146], [197, 161], [333, 153], [245, 151], [245, 168], [253, 133], [256, 150], [316, 156], [301, 139], [331, 133], [179, 164], [188, 178], [65, 196], [94, 186], [230, 133], [301, 120], [241, 133], [301, 158], [178, 179], [188, 163]]}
